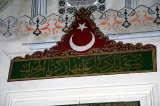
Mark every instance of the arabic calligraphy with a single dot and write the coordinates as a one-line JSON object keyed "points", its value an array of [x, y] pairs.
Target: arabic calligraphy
{"points": [[83, 65], [33, 70]]}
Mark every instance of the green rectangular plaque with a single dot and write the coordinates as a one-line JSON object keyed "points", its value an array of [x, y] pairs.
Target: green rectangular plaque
{"points": [[99, 64]]}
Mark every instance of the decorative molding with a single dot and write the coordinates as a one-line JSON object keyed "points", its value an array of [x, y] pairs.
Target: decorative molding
{"points": [[41, 46], [146, 93], [138, 35]]}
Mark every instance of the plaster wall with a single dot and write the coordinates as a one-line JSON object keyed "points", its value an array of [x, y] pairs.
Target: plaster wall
{"points": [[143, 87], [50, 92]]}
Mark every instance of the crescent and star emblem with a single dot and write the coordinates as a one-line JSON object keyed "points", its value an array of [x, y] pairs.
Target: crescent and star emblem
{"points": [[85, 47]]}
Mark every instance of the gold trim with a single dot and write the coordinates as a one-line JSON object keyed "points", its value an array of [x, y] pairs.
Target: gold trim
{"points": [[103, 53], [79, 75]]}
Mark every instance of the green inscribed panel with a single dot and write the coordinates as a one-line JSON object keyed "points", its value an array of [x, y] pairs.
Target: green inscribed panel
{"points": [[141, 61]]}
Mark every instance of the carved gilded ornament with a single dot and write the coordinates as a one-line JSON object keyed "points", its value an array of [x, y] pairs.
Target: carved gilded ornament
{"points": [[84, 50]]}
